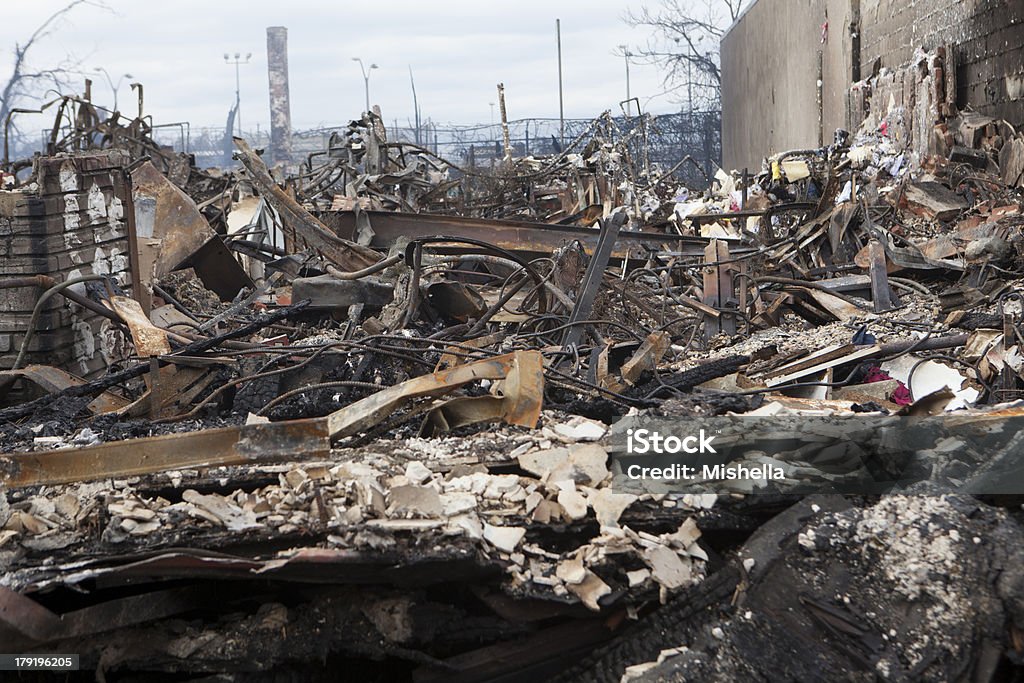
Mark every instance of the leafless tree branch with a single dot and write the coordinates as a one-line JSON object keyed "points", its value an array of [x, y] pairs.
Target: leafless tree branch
{"points": [[684, 42], [23, 80]]}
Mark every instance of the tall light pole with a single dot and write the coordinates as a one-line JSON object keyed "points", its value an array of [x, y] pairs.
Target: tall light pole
{"points": [[238, 89], [110, 82], [366, 78], [415, 105], [627, 54], [561, 105]]}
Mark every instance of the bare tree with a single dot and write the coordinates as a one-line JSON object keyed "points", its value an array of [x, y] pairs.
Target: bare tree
{"points": [[25, 81], [684, 41]]}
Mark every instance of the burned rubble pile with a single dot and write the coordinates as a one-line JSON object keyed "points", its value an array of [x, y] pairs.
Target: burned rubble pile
{"points": [[267, 425]]}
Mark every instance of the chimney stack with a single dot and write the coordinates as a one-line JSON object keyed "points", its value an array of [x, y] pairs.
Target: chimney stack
{"points": [[280, 107]]}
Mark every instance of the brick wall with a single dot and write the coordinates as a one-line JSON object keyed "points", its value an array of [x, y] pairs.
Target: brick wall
{"points": [[988, 34], [76, 222]]}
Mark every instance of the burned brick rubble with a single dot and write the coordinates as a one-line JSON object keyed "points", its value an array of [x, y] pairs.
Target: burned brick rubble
{"points": [[360, 414]]}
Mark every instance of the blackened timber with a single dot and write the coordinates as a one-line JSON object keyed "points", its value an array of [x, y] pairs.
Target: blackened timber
{"points": [[103, 383]]}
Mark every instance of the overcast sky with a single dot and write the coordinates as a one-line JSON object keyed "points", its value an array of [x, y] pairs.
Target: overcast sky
{"points": [[458, 50]]}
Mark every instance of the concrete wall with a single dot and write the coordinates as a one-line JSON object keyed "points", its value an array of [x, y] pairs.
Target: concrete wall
{"points": [[769, 63], [770, 76]]}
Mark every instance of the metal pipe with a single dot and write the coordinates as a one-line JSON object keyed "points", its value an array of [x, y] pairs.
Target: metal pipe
{"points": [[7, 129], [369, 270], [37, 311], [45, 282], [138, 86]]}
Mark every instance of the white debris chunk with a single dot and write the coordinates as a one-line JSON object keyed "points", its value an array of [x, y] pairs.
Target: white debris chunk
{"points": [[609, 506], [221, 510], [668, 569], [505, 538], [590, 590], [573, 502], [638, 576], [468, 525], [418, 501], [417, 473], [580, 429], [572, 570], [457, 502], [542, 463], [686, 535]]}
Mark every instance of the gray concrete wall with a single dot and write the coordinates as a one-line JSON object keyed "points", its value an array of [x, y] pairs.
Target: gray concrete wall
{"points": [[770, 75]]}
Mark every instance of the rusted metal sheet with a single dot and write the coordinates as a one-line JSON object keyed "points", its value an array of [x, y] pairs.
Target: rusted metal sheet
{"points": [[372, 409], [522, 394], [26, 623], [177, 223], [269, 442], [610, 231], [207, 448], [520, 236], [51, 380], [24, 617]]}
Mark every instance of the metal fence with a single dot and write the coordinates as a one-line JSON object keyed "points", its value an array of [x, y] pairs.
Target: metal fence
{"points": [[670, 138]]}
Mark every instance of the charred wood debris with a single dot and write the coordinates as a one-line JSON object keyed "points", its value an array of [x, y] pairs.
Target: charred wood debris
{"points": [[262, 425]]}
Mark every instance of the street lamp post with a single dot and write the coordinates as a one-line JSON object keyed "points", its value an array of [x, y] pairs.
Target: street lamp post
{"points": [[626, 54], [366, 78], [238, 89], [113, 87]]}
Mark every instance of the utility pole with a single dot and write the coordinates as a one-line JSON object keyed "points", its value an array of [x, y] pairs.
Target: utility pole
{"points": [[238, 88], [415, 105], [366, 78], [626, 54], [689, 81], [561, 107], [114, 88]]}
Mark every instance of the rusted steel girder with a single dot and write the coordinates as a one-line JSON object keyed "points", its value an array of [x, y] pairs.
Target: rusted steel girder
{"points": [[207, 448], [520, 236]]}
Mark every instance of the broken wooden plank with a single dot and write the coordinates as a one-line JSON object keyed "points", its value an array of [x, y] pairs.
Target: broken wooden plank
{"points": [[718, 289], [837, 357], [881, 295], [647, 356]]}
